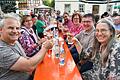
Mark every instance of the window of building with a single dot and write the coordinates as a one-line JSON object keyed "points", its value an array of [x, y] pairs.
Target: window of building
{"points": [[95, 9], [81, 7], [67, 8]]}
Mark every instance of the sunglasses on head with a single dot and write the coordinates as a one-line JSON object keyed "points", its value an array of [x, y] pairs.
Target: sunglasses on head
{"points": [[53, 28]]}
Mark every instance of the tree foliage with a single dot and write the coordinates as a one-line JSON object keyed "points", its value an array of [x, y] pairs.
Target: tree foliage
{"points": [[50, 3]]}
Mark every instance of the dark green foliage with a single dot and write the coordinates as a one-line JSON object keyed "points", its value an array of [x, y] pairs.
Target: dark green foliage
{"points": [[50, 4], [8, 6], [53, 3]]}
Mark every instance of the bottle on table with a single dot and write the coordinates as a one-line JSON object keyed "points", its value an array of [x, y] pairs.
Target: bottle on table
{"points": [[56, 43], [62, 55], [56, 48], [55, 33]]}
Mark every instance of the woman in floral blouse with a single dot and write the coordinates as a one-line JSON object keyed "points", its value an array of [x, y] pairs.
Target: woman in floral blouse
{"points": [[105, 54], [28, 38]]}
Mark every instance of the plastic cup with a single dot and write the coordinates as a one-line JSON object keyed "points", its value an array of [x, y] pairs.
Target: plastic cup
{"points": [[49, 52]]}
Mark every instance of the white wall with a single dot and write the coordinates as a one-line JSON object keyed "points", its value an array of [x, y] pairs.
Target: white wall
{"points": [[88, 8], [66, 0], [102, 9], [59, 5], [74, 6]]}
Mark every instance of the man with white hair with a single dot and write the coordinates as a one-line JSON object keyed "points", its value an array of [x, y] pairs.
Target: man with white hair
{"points": [[14, 65]]}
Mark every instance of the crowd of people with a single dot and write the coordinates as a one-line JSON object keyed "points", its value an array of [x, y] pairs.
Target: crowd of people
{"points": [[94, 44]]}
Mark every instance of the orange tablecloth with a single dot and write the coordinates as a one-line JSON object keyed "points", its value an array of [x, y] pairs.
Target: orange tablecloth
{"points": [[50, 69]]}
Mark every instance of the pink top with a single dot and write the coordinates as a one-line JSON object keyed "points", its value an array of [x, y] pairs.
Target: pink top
{"points": [[76, 29], [69, 23]]}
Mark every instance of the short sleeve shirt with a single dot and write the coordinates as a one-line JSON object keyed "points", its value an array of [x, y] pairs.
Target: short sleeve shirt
{"points": [[39, 26], [8, 57]]}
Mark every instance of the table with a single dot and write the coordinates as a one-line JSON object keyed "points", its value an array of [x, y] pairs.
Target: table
{"points": [[50, 69]]}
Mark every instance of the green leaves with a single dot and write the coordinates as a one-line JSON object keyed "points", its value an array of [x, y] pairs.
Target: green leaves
{"points": [[50, 3]]}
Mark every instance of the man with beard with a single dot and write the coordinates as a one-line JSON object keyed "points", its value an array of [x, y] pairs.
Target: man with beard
{"points": [[67, 20]]}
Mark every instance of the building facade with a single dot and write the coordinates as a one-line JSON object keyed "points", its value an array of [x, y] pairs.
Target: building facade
{"points": [[21, 4], [28, 4], [97, 7]]}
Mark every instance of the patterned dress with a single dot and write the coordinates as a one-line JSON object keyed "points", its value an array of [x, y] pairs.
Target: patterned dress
{"points": [[27, 40], [112, 67]]}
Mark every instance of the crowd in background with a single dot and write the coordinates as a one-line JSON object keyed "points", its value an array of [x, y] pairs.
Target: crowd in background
{"points": [[92, 40]]}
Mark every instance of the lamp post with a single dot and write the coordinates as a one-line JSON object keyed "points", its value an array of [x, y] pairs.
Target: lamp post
{"points": [[108, 6], [107, 3]]}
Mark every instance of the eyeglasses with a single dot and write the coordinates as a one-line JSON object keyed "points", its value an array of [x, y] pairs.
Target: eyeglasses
{"points": [[86, 21], [75, 18], [103, 31], [28, 20], [65, 16], [53, 28]]}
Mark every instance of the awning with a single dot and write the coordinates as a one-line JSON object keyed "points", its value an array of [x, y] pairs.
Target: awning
{"points": [[43, 6], [117, 7]]}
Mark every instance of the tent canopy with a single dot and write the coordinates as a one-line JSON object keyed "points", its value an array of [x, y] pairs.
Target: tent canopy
{"points": [[43, 6]]}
